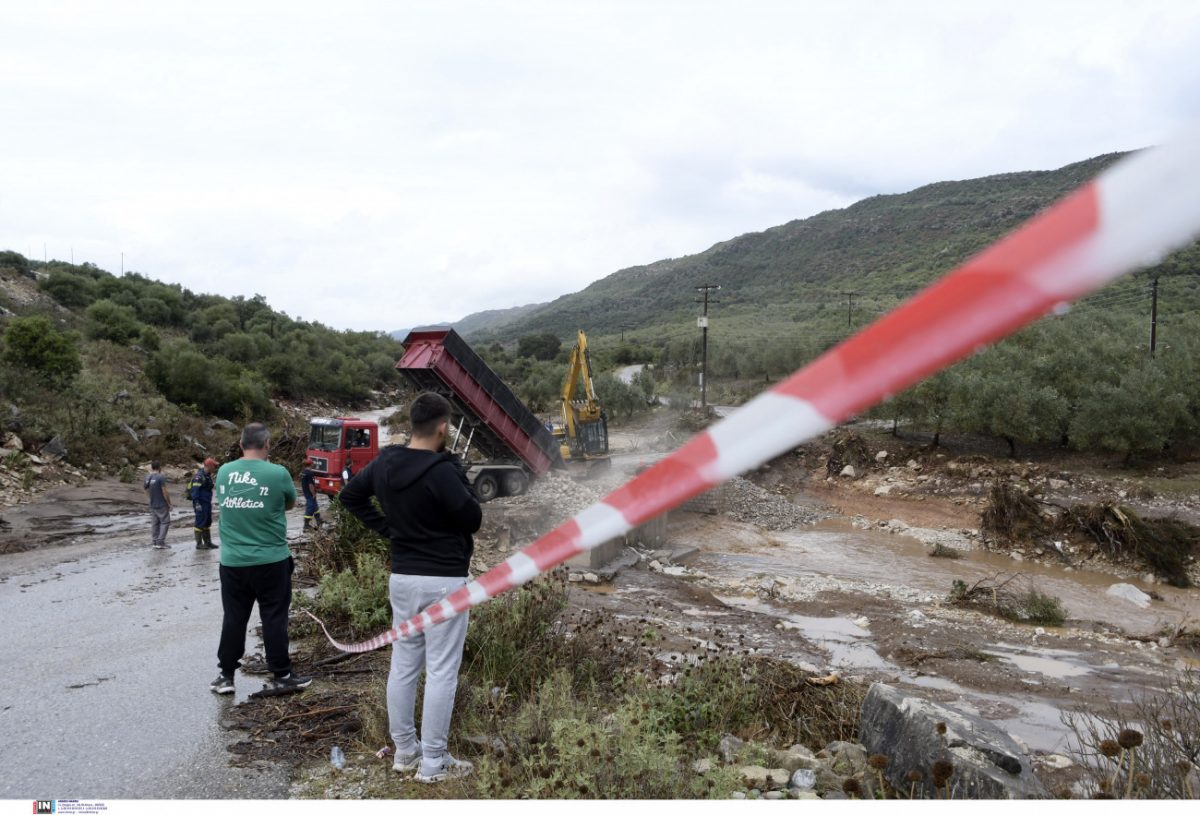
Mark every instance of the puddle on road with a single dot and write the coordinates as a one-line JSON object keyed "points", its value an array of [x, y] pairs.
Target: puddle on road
{"points": [[847, 643], [1050, 662], [120, 523]]}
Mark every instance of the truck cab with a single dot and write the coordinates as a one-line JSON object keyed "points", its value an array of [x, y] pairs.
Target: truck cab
{"points": [[340, 447]]}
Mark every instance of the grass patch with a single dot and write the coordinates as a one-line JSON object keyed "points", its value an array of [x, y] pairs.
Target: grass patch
{"points": [[1011, 597], [356, 600]]}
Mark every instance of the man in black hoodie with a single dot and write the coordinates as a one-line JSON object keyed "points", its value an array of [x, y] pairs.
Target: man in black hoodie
{"points": [[429, 514]]}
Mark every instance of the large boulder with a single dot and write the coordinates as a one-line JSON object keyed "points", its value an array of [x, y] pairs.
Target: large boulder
{"points": [[223, 424], [987, 762], [54, 448]]}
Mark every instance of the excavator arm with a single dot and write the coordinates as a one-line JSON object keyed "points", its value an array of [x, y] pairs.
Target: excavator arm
{"points": [[582, 417]]}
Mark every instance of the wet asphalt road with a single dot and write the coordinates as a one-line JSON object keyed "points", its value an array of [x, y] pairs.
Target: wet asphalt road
{"points": [[108, 647]]}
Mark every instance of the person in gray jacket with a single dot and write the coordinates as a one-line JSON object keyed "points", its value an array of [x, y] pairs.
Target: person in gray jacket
{"points": [[155, 487], [429, 516]]}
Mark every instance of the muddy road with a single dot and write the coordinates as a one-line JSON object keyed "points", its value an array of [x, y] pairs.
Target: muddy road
{"points": [[107, 653]]}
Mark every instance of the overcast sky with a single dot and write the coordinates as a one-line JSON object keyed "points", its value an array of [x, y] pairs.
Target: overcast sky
{"points": [[378, 165]]}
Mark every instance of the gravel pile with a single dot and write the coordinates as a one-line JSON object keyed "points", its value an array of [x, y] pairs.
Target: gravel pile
{"points": [[560, 496], [752, 504]]}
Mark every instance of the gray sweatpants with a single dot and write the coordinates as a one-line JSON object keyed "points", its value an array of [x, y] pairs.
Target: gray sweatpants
{"points": [[437, 651], [160, 523]]}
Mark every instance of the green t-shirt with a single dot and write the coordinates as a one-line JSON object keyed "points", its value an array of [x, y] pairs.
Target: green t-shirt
{"points": [[253, 496]]}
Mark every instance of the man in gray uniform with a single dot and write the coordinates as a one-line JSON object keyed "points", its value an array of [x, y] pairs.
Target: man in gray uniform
{"points": [[155, 486]]}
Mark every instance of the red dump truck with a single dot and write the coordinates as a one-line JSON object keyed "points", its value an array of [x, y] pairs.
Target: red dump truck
{"points": [[510, 443]]}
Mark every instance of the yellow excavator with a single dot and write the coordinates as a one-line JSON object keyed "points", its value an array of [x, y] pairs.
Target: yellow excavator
{"points": [[583, 437]]}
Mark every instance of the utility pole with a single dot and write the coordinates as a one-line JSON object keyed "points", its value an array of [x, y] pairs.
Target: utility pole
{"points": [[122, 264], [1153, 316], [703, 323], [849, 306]]}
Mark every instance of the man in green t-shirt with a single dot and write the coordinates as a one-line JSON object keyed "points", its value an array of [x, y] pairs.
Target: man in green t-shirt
{"points": [[256, 564]]}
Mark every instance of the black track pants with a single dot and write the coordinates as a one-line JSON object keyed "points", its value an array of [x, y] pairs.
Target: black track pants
{"points": [[270, 584]]}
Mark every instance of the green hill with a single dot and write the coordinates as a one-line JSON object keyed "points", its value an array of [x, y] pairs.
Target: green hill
{"points": [[127, 367], [795, 278]]}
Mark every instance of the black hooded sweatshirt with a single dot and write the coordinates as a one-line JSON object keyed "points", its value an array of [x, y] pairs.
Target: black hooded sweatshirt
{"points": [[429, 512]]}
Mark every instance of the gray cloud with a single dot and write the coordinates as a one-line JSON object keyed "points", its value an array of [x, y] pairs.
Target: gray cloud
{"points": [[391, 164]]}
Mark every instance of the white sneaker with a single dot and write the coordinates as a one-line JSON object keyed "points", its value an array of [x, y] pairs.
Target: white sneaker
{"points": [[406, 764], [448, 767]]}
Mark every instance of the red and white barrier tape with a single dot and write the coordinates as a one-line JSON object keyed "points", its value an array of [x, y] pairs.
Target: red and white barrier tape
{"points": [[1131, 215]]}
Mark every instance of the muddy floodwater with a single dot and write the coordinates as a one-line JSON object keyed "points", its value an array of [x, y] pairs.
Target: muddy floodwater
{"points": [[837, 548]]}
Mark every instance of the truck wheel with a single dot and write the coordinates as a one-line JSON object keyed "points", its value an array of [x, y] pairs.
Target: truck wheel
{"points": [[515, 483], [486, 487]]}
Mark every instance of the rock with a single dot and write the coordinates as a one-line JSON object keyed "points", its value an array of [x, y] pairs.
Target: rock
{"points": [[13, 442], [987, 762], [655, 566], [803, 779], [1056, 762], [847, 758], [774, 795], [129, 431], [1056, 484], [763, 777], [881, 456], [1016, 556], [827, 781], [797, 757], [886, 489], [702, 765], [729, 748], [151, 433], [223, 424], [574, 577], [912, 464], [738, 796], [121, 396], [1129, 593], [14, 422], [803, 795], [54, 448], [862, 622], [849, 472]]}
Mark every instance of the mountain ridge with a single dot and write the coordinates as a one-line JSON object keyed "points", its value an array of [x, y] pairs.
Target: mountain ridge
{"points": [[882, 247]]}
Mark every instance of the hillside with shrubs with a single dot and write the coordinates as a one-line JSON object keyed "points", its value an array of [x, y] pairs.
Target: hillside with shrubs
{"points": [[117, 365]]}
